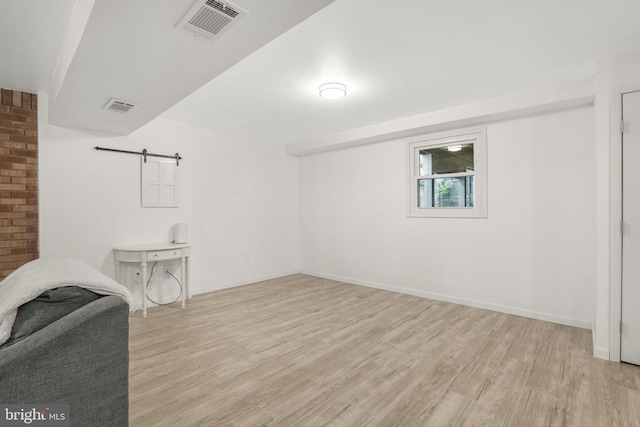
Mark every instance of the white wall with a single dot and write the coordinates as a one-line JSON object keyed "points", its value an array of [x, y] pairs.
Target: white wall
{"points": [[239, 199], [534, 255], [538, 254]]}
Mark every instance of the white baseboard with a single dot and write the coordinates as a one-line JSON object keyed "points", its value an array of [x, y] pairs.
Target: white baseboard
{"points": [[217, 287], [462, 301]]}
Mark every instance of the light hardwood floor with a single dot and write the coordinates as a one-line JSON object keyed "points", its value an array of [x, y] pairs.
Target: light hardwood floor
{"points": [[304, 351]]}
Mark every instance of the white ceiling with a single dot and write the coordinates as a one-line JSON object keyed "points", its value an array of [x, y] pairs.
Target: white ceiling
{"points": [[31, 36], [398, 59]]}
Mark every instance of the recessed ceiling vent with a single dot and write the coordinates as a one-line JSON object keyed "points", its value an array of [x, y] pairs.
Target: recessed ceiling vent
{"points": [[118, 106], [211, 18]]}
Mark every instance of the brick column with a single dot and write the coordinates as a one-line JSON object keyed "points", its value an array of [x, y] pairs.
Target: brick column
{"points": [[18, 179]]}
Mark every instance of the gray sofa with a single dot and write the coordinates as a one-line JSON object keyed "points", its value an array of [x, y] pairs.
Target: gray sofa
{"points": [[70, 346]]}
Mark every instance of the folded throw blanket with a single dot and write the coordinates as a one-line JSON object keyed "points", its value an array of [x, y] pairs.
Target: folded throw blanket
{"points": [[35, 277]]}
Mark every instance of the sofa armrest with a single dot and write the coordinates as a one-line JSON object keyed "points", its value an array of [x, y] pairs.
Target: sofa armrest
{"points": [[81, 360]]}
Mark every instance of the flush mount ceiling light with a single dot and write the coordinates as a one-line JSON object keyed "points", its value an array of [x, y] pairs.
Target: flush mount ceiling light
{"points": [[454, 147], [333, 90]]}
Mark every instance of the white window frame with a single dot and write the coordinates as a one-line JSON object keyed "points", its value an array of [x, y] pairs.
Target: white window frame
{"points": [[475, 136]]}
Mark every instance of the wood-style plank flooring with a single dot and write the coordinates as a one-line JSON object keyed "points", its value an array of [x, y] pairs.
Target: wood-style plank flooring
{"points": [[304, 351]]}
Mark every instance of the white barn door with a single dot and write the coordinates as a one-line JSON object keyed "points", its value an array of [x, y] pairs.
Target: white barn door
{"points": [[159, 183]]}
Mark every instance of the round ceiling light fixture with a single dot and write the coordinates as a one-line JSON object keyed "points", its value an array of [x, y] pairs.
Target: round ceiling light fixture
{"points": [[454, 147], [333, 90]]}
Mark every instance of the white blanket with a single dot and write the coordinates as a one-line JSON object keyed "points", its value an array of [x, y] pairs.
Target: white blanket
{"points": [[35, 277]]}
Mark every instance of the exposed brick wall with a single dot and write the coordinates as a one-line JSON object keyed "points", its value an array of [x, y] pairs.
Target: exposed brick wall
{"points": [[18, 179]]}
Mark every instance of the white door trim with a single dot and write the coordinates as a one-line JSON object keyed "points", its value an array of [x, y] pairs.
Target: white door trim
{"points": [[615, 299]]}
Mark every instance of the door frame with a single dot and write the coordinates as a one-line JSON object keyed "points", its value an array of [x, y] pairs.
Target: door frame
{"points": [[615, 298]]}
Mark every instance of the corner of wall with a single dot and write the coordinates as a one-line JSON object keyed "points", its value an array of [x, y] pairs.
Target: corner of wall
{"points": [[599, 352]]}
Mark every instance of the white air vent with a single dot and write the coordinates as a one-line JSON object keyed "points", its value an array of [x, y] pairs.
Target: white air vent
{"points": [[118, 106], [211, 18]]}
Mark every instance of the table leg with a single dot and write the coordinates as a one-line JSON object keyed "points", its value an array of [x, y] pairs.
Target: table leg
{"points": [[144, 288], [185, 285], [188, 278]]}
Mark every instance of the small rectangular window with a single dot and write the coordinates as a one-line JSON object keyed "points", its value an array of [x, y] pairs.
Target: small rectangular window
{"points": [[447, 175]]}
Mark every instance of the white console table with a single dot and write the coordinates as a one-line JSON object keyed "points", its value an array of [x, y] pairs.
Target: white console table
{"points": [[154, 252]]}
